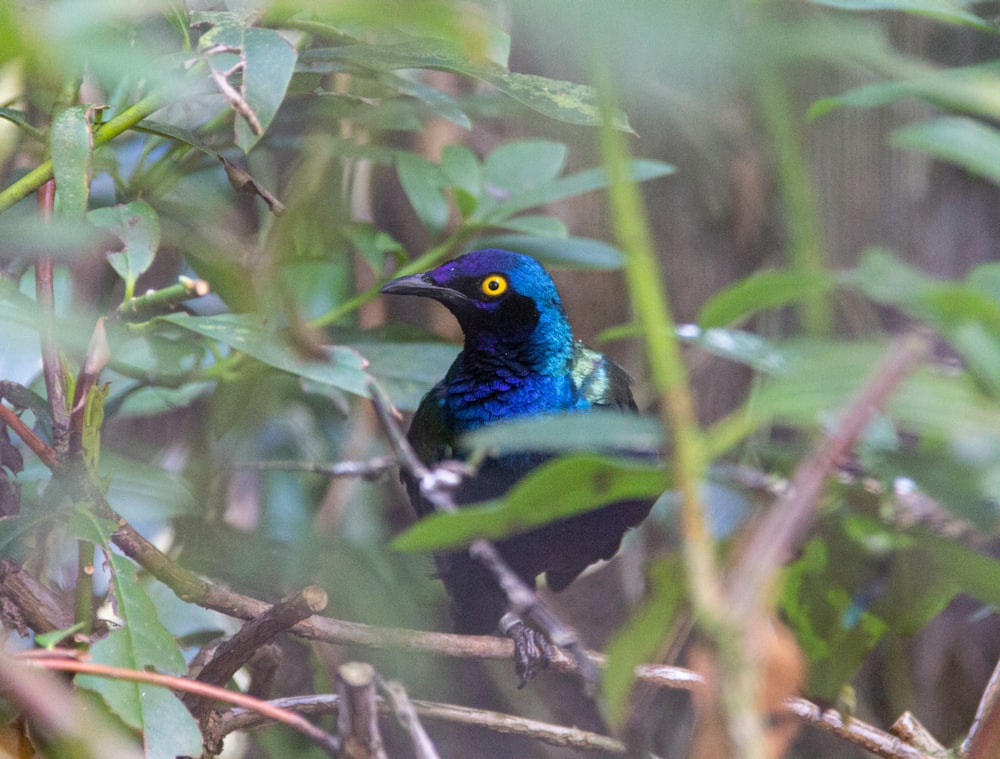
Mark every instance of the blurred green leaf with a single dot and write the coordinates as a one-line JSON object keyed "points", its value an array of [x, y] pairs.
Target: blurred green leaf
{"points": [[406, 371], [641, 639], [423, 182], [374, 245], [588, 180], [268, 62], [968, 143], [761, 291], [562, 101], [950, 11], [344, 367], [141, 642], [175, 133], [439, 102], [71, 145], [137, 225], [522, 165], [536, 225], [561, 488], [572, 252], [603, 431], [735, 345], [464, 175]]}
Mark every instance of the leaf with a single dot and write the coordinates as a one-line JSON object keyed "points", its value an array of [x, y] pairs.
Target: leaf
{"points": [[584, 181], [374, 245], [573, 252], [735, 345], [641, 639], [560, 488], [968, 143], [522, 165], [422, 182], [973, 90], [343, 369], [761, 291], [464, 175], [137, 225], [71, 144], [949, 11], [141, 642], [599, 430], [175, 133], [268, 61], [406, 370], [536, 225], [562, 101], [438, 101]]}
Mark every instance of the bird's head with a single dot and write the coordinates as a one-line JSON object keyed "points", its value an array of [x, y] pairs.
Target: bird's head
{"points": [[494, 293]]}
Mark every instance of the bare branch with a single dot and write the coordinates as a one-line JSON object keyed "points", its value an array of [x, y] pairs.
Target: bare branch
{"points": [[983, 741], [857, 732], [357, 718], [367, 470], [399, 701]]}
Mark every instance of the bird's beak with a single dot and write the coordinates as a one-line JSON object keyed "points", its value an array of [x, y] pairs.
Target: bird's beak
{"points": [[423, 285]]}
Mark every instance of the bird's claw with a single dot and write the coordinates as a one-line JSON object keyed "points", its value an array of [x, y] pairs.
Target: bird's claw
{"points": [[532, 650]]}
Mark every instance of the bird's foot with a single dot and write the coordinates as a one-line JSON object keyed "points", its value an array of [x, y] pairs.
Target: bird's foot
{"points": [[532, 650]]}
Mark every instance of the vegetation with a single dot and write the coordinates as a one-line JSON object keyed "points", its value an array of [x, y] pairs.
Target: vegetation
{"points": [[197, 208]]}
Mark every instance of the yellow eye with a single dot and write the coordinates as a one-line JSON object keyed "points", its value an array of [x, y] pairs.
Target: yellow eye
{"points": [[494, 285]]}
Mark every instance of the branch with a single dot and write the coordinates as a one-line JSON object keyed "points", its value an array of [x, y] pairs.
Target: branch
{"points": [[367, 470], [983, 741], [357, 717], [38, 446], [857, 732], [258, 632], [554, 735], [436, 485], [406, 715], [154, 302], [329, 743], [26, 603]]}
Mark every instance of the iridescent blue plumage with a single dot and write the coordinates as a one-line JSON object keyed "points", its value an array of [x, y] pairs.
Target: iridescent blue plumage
{"points": [[519, 359]]}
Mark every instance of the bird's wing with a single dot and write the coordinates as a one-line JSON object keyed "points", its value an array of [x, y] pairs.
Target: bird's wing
{"points": [[600, 380]]}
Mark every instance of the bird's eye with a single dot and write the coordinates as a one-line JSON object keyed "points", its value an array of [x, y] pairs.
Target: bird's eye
{"points": [[494, 285]]}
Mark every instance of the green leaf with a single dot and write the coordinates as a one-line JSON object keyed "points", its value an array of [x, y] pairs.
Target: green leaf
{"points": [[141, 642], [71, 144], [406, 371], [735, 345], [588, 180], [175, 133], [144, 492], [641, 639], [463, 173], [950, 11], [561, 488], [523, 165], [572, 252], [968, 143], [438, 101], [374, 245], [422, 182], [343, 369], [563, 101], [268, 61], [599, 431], [973, 90], [536, 225], [137, 225], [761, 291]]}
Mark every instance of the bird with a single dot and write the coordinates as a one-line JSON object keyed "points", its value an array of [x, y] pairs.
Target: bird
{"points": [[519, 359]]}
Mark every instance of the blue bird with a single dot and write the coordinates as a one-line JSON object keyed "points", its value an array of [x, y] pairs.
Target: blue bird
{"points": [[519, 359]]}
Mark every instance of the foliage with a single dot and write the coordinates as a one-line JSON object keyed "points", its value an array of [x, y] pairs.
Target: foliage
{"points": [[255, 150]]}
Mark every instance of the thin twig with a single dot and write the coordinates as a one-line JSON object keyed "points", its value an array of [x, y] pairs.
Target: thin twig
{"points": [[328, 742], [857, 732], [39, 447], [406, 715], [357, 717], [554, 735], [367, 470], [436, 485], [163, 300]]}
